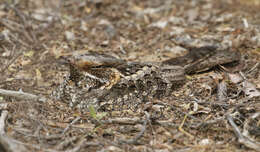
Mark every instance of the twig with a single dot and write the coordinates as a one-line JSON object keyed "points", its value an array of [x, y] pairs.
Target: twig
{"points": [[18, 40], [166, 123], [242, 139], [28, 34], [79, 145], [11, 25], [66, 142], [33, 146], [134, 121], [4, 114], [134, 140], [242, 75], [11, 62], [182, 130], [64, 125], [83, 143], [247, 126], [20, 30], [209, 122], [253, 68], [21, 95], [247, 123], [6, 143], [177, 109], [73, 122], [125, 121]]}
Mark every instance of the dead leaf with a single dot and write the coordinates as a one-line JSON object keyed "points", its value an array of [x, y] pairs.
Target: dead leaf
{"points": [[235, 78], [222, 91], [250, 89], [56, 52], [39, 78], [28, 53]]}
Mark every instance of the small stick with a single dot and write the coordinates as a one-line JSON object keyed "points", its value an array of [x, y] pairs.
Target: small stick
{"points": [[11, 62], [21, 95], [253, 68], [29, 35], [125, 121], [65, 143], [6, 143], [4, 114], [73, 122], [242, 139], [182, 130], [134, 140]]}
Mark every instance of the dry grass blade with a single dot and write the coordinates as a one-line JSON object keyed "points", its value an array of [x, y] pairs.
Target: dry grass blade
{"points": [[182, 130]]}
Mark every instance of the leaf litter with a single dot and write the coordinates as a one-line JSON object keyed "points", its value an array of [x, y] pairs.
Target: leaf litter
{"points": [[208, 113]]}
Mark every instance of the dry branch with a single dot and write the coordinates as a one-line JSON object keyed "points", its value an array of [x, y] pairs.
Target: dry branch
{"points": [[7, 144], [140, 134], [2, 121], [125, 121], [242, 139], [21, 95]]}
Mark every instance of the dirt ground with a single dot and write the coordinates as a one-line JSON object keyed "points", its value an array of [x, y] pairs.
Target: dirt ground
{"points": [[198, 116]]}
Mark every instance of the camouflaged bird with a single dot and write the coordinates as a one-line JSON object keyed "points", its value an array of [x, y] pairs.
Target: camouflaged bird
{"points": [[109, 83]]}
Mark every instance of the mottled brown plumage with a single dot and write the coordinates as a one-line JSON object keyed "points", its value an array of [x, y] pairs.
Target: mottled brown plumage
{"points": [[114, 84]]}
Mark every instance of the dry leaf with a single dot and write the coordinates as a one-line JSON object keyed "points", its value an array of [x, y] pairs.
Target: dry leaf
{"points": [[222, 91], [28, 53], [235, 78], [39, 78], [250, 89]]}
